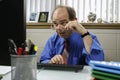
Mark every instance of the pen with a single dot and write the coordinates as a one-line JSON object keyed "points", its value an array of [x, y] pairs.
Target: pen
{"points": [[26, 50], [12, 46], [20, 51], [31, 49], [35, 49]]}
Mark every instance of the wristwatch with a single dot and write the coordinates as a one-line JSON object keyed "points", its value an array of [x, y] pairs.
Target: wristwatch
{"points": [[87, 33]]}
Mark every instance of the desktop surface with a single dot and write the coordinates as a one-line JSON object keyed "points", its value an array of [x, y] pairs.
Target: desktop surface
{"points": [[48, 74]]}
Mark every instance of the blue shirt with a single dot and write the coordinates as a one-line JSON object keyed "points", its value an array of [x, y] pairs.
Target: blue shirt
{"points": [[76, 49]]}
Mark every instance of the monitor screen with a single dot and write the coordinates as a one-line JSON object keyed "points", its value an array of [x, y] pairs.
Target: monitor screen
{"points": [[12, 21]]}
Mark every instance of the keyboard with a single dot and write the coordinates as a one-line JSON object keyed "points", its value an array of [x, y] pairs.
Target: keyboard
{"points": [[76, 68]]}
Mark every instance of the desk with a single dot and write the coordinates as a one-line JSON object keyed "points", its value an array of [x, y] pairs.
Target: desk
{"points": [[43, 74]]}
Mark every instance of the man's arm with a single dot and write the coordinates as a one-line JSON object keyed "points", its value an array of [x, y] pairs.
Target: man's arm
{"points": [[87, 41], [77, 27], [96, 51], [93, 49]]}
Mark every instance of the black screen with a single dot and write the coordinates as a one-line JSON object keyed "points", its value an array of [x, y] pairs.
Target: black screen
{"points": [[13, 23]]}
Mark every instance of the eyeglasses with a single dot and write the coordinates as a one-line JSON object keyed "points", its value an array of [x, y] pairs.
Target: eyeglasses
{"points": [[62, 23]]}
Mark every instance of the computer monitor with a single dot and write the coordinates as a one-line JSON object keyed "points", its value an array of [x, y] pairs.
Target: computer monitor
{"points": [[13, 23]]}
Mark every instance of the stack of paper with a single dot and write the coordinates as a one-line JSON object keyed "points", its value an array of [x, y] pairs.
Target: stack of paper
{"points": [[103, 70], [4, 70]]}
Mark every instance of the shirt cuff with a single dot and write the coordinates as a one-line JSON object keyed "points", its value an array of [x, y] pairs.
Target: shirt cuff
{"points": [[45, 61], [94, 46]]}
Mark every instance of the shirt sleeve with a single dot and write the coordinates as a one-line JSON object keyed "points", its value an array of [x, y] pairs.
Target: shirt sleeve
{"points": [[96, 52], [47, 52]]}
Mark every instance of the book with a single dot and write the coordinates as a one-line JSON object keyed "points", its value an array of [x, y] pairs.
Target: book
{"points": [[105, 74], [112, 67]]}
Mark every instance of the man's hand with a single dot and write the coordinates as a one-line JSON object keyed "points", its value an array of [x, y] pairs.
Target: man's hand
{"points": [[75, 26], [57, 59]]}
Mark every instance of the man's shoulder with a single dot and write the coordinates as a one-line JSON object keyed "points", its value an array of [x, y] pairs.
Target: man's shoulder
{"points": [[55, 37]]}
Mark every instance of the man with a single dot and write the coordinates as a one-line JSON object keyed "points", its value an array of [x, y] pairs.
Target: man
{"points": [[83, 46]]}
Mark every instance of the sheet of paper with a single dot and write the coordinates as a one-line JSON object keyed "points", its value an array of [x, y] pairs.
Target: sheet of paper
{"points": [[4, 69]]}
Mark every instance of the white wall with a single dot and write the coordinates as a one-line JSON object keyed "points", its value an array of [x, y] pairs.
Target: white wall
{"points": [[39, 37], [109, 39]]}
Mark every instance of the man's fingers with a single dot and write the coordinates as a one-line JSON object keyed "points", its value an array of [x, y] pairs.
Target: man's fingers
{"points": [[57, 59]]}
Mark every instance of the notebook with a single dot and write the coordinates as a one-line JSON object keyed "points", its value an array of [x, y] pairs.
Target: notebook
{"points": [[106, 75], [76, 68], [105, 64], [98, 77], [111, 67]]}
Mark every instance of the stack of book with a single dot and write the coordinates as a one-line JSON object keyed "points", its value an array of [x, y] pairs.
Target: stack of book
{"points": [[103, 70]]}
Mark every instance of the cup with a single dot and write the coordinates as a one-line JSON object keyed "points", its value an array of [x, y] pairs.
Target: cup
{"points": [[23, 67]]}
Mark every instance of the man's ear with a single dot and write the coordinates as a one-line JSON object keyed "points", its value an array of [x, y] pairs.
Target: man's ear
{"points": [[75, 19]]}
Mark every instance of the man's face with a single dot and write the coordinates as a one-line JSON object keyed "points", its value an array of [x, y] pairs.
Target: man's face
{"points": [[60, 19]]}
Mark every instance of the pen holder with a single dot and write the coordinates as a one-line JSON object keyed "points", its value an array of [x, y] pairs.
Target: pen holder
{"points": [[23, 67]]}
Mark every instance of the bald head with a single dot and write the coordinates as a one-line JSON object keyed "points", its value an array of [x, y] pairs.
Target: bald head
{"points": [[64, 9], [60, 14]]}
